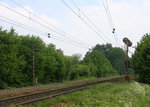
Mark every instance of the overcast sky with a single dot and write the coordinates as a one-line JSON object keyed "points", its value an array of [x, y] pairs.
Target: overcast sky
{"points": [[130, 17]]}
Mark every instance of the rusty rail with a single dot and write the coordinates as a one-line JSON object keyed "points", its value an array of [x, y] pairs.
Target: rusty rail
{"points": [[39, 96]]}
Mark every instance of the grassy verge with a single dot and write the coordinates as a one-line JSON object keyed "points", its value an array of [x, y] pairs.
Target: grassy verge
{"points": [[105, 95]]}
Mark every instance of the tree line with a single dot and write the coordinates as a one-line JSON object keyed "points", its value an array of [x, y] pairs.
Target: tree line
{"points": [[51, 65], [141, 59]]}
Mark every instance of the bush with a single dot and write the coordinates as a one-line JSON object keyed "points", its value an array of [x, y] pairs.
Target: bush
{"points": [[78, 71], [141, 60]]}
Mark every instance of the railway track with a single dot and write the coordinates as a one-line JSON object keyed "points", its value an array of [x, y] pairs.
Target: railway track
{"points": [[38, 87], [40, 96]]}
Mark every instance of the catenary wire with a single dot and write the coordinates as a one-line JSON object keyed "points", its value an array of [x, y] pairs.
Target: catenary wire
{"points": [[115, 34], [41, 31], [83, 20], [108, 14], [42, 34], [81, 42], [107, 10], [88, 18], [35, 21]]}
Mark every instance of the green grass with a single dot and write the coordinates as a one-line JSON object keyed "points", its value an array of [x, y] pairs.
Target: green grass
{"points": [[104, 95]]}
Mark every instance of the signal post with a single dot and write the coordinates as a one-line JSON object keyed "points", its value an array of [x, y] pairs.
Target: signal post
{"points": [[128, 43]]}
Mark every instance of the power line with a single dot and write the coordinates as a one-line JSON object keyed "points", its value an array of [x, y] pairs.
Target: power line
{"points": [[36, 16], [106, 7], [108, 14], [29, 28], [69, 42], [20, 24], [81, 42], [83, 20], [115, 34], [38, 23], [110, 18], [42, 34], [88, 19]]}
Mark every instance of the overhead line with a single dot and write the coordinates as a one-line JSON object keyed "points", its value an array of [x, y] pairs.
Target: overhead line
{"points": [[36, 22], [30, 28], [106, 7], [41, 33], [83, 20], [37, 16], [115, 34], [108, 15], [80, 42], [20, 24], [88, 19]]}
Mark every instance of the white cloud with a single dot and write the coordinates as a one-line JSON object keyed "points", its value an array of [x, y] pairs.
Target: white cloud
{"points": [[131, 20]]}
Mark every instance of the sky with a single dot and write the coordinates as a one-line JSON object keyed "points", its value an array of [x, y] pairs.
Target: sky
{"points": [[131, 19]]}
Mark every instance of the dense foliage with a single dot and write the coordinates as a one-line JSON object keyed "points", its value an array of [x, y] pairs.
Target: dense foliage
{"points": [[78, 70], [16, 59], [116, 56], [99, 65], [51, 65], [141, 59]]}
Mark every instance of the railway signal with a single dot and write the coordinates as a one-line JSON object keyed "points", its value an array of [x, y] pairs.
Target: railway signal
{"points": [[128, 44]]}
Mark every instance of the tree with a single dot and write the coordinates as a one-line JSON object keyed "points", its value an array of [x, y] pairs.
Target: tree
{"points": [[26, 51], [10, 61], [117, 56], [77, 71], [100, 65], [103, 48], [60, 67], [76, 58], [141, 59], [47, 62]]}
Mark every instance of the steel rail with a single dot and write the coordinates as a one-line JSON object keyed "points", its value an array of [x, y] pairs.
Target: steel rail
{"points": [[29, 89], [40, 96]]}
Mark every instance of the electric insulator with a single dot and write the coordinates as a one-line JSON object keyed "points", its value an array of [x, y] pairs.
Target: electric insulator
{"points": [[113, 30], [48, 35]]}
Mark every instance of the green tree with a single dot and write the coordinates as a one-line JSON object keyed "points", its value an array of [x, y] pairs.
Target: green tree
{"points": [[76, 58], [101, 66], [10, 61], [117, 56], [48, 65], [31, 46], [77, 71], [141, 59], [60, 71], [103, 48]]}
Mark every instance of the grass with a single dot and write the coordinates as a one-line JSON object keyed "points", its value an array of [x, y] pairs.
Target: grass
{"points": [[104, 95]]}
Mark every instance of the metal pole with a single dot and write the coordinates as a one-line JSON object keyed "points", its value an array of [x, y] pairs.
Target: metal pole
{"points": [[128, 43], [90, 66], [33, 64], [127, 59], [127, 78]]}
